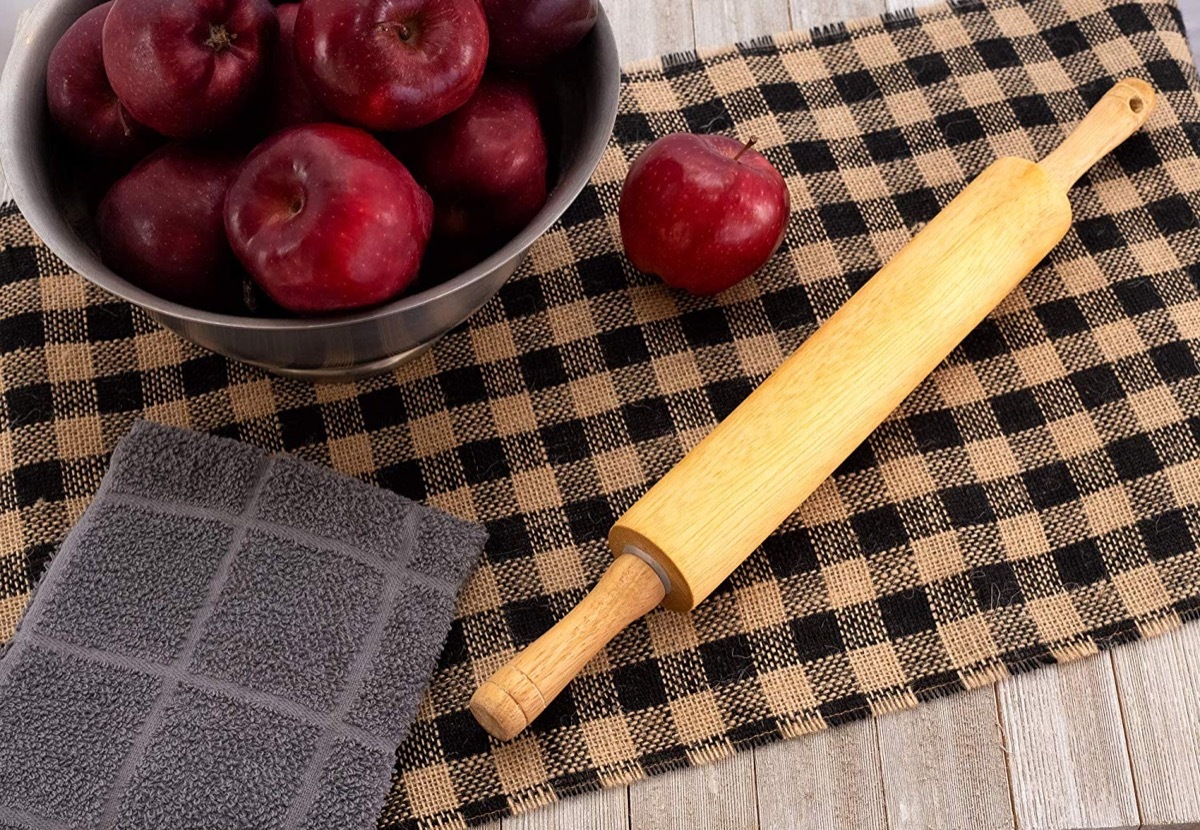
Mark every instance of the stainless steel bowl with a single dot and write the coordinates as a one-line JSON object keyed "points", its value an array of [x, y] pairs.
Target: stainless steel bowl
{"points": [[349, 345]]}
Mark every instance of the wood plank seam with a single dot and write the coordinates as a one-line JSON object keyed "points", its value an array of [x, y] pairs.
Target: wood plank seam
{"points": [[1137, 798], [754, 778], [1003, 741], [887, 822]]}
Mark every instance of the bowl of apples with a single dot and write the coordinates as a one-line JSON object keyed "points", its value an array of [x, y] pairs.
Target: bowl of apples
{"points": [[321, 188]]}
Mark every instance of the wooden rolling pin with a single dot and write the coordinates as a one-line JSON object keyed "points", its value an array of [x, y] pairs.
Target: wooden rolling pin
{"points": [[688, 533]]}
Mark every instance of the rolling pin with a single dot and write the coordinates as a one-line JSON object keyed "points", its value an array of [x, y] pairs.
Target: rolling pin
{"points": [[705, 516]]}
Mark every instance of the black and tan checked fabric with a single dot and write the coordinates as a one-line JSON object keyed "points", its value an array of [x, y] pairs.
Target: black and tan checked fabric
{"points": [[1038, 498]]}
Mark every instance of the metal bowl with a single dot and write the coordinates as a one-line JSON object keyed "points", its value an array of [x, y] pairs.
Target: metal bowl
{"points": [[585, 90]]}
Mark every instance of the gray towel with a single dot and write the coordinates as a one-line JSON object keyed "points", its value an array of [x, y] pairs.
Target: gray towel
{"points": [[226, 641]]}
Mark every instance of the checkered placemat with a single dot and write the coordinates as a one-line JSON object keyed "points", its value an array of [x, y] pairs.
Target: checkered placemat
{"points": [[1038, 498]]}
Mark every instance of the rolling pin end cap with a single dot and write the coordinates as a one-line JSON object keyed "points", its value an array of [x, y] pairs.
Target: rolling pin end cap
{"points": [[497, 711]]}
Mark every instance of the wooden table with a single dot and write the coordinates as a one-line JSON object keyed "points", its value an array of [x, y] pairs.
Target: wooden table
{"points": [[1108, 742]]}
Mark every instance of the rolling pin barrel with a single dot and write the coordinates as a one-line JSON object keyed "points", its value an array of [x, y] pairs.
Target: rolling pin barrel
{"points": [[705, 516]]}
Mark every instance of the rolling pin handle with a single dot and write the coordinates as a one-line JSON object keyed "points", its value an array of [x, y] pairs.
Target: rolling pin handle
{"points": [[1117, 115], [518, 692]]}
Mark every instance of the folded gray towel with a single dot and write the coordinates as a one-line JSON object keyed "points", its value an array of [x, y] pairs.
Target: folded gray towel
{"points": [[226, 641]]}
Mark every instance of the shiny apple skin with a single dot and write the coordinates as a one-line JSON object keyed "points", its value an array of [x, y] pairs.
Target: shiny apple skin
{"points": [[187, 68], [528, 34], [390, 65], [161, 227], [325, 219], [82, 101], [485, 167], [698, 216]]}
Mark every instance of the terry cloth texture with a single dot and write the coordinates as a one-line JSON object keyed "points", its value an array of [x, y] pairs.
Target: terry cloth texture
{"points": [[1037, 499], [226, 639]]}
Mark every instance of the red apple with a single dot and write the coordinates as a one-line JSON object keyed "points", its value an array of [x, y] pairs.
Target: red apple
{"points": [[289, 100], [188, 67], [82, 101], [326, 219], [702, 212], [527, 34], [485, 166], [161, 227], [391, 64]]}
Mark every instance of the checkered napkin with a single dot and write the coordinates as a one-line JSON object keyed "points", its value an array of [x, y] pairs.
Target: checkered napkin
{"points": [[227, 639], [1037, 499]]}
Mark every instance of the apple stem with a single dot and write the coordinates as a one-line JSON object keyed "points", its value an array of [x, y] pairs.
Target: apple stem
{"points": [[753, 140], [125, 128]]}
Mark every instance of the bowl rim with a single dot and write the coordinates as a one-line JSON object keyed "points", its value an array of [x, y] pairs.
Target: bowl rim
{"points": [[596, 139]]}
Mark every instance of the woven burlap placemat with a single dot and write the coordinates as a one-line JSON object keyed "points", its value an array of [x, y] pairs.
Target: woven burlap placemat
{"points": [[1035, 500]]}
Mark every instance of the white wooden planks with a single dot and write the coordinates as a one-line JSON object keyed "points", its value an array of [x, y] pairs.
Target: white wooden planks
{"points": [[604, 810], [1066, 748], [718, 22], [645, 29], [944, 765], [1158, 683], [809, 13], [825, 780], [719, 795]]}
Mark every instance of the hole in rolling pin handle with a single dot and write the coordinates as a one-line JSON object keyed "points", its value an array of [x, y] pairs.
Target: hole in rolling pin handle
{"points": [[1136, 104]]}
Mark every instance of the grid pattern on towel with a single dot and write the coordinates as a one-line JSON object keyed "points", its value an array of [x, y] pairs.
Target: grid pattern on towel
{"points": [[1038, 498], [196, 657]]}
